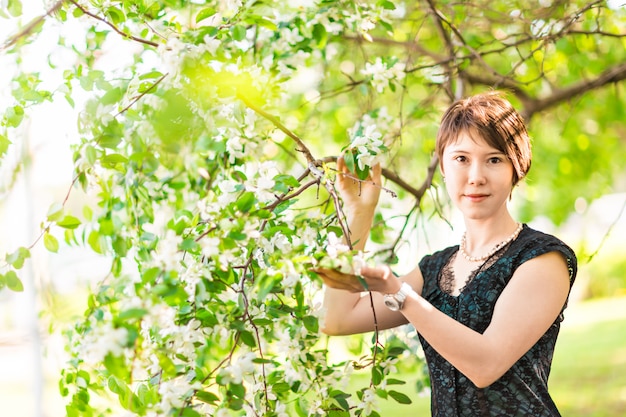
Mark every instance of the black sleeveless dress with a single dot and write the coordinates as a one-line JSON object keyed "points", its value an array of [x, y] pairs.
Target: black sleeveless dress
{"points": [[523, 389]]}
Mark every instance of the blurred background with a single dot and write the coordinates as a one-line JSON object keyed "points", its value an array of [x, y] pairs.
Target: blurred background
{"points": [[589, 377]]}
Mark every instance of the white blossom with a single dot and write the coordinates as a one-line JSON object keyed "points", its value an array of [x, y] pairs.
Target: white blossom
{"points": [[174, 393], [209, 246], [237, 370], [167, 254], [235, 148], [101, 340], [381, 74], [172, 53], [281, 409], [306, 238], [366, 139], [281, 242], [335, 246], [291, 36], [261, 179], [369, 402]]}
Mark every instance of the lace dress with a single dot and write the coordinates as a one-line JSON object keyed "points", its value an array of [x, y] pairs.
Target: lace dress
{"points": [[523, 389]]}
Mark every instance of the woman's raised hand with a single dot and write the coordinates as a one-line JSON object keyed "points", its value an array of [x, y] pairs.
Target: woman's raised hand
{"points": [[377, 278], [358, 194]]}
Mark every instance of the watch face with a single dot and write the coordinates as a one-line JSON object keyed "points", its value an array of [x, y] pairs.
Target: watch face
{"points": [[392, 304]]}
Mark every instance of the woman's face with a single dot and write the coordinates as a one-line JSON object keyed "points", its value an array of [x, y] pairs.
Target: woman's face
{"points": [[479, 178]]}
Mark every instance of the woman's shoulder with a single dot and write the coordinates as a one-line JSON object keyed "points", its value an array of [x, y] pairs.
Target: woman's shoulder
{"points": [[439, 257], [531, 238], [532, 243]]}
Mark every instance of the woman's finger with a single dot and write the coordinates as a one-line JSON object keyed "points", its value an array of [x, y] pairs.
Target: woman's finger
{"points": [[341, 164], [376, 174], [339, 280]]}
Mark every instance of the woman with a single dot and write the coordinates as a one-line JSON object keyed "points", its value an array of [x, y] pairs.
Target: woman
{"points": [[488, 310]]}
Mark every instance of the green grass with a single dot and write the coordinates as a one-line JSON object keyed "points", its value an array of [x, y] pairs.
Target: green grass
{"points": [[588, 376], [589, 372]]}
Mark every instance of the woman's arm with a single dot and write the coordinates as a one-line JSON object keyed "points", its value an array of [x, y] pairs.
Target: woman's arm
{"points": [[525, 310], [348, 309]]}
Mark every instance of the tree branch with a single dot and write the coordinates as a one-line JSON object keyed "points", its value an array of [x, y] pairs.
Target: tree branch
{"points": [[112, 26], [612, 75], [447, 41], [274, 120], [28, 29]]}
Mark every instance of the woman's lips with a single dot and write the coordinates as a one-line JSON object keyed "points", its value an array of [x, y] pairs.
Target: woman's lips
{"points": [[476, 197]]}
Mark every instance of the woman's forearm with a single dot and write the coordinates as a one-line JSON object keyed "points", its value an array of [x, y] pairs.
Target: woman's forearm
{"points": [[359, 226], [340, 304]]}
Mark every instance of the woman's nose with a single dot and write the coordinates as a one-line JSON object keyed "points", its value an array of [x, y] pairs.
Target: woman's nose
{"points": [[476, 174]]}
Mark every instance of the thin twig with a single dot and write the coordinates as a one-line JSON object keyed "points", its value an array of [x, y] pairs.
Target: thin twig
{"points": [[136, 99], [608, 232], [27, 30], [274, 120], [112, 26]]}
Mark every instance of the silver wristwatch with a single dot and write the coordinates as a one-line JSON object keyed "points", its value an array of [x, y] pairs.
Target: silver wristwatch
{"points": [[395, 302]]}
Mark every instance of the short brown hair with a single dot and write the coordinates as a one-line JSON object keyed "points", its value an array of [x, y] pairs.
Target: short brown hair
{"points": [[491, 117]]}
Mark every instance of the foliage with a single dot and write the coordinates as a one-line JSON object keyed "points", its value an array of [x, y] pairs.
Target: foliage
{"points": [[210, 160]]}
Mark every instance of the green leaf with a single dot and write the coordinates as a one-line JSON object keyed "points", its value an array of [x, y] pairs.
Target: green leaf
{"points": [[311, 323], [116, 15], [266, 23], [393, 381], [69, 222], [205, 14], [348, 158], [132, 313], [167, 365], [13, 282], [362, 173], [112, 96], [189, 245], [51, 243], [338, 413], [17, 258], [281, 387], [239, 32], [190, 412], [55, 212], [320, 35], [247, 338], [377, 375], [386, 4], [237, 390], [207, 397], [15, 8], [4, 144], [246, 201], [400, 397], [109, 140], [120, 246], [14, 116], [95, 241], [341, 399], [113, 159]]}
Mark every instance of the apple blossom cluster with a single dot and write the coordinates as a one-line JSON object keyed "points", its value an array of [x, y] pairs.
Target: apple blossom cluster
{"points": [[381, 74], [367, 138]]}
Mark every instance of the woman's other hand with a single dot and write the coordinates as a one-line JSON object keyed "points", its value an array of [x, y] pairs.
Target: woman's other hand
{"points": [[358, 194], [379, 279]]}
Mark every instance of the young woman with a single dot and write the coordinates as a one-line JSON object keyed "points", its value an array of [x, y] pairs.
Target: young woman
{"points": [[487, 310]]}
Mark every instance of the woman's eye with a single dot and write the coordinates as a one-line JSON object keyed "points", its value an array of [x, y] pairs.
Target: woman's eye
{"points": [[495, 160], [460, 158]]}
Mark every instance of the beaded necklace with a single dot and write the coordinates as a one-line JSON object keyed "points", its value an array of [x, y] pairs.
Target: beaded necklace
{"points": [[492, 251]]}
